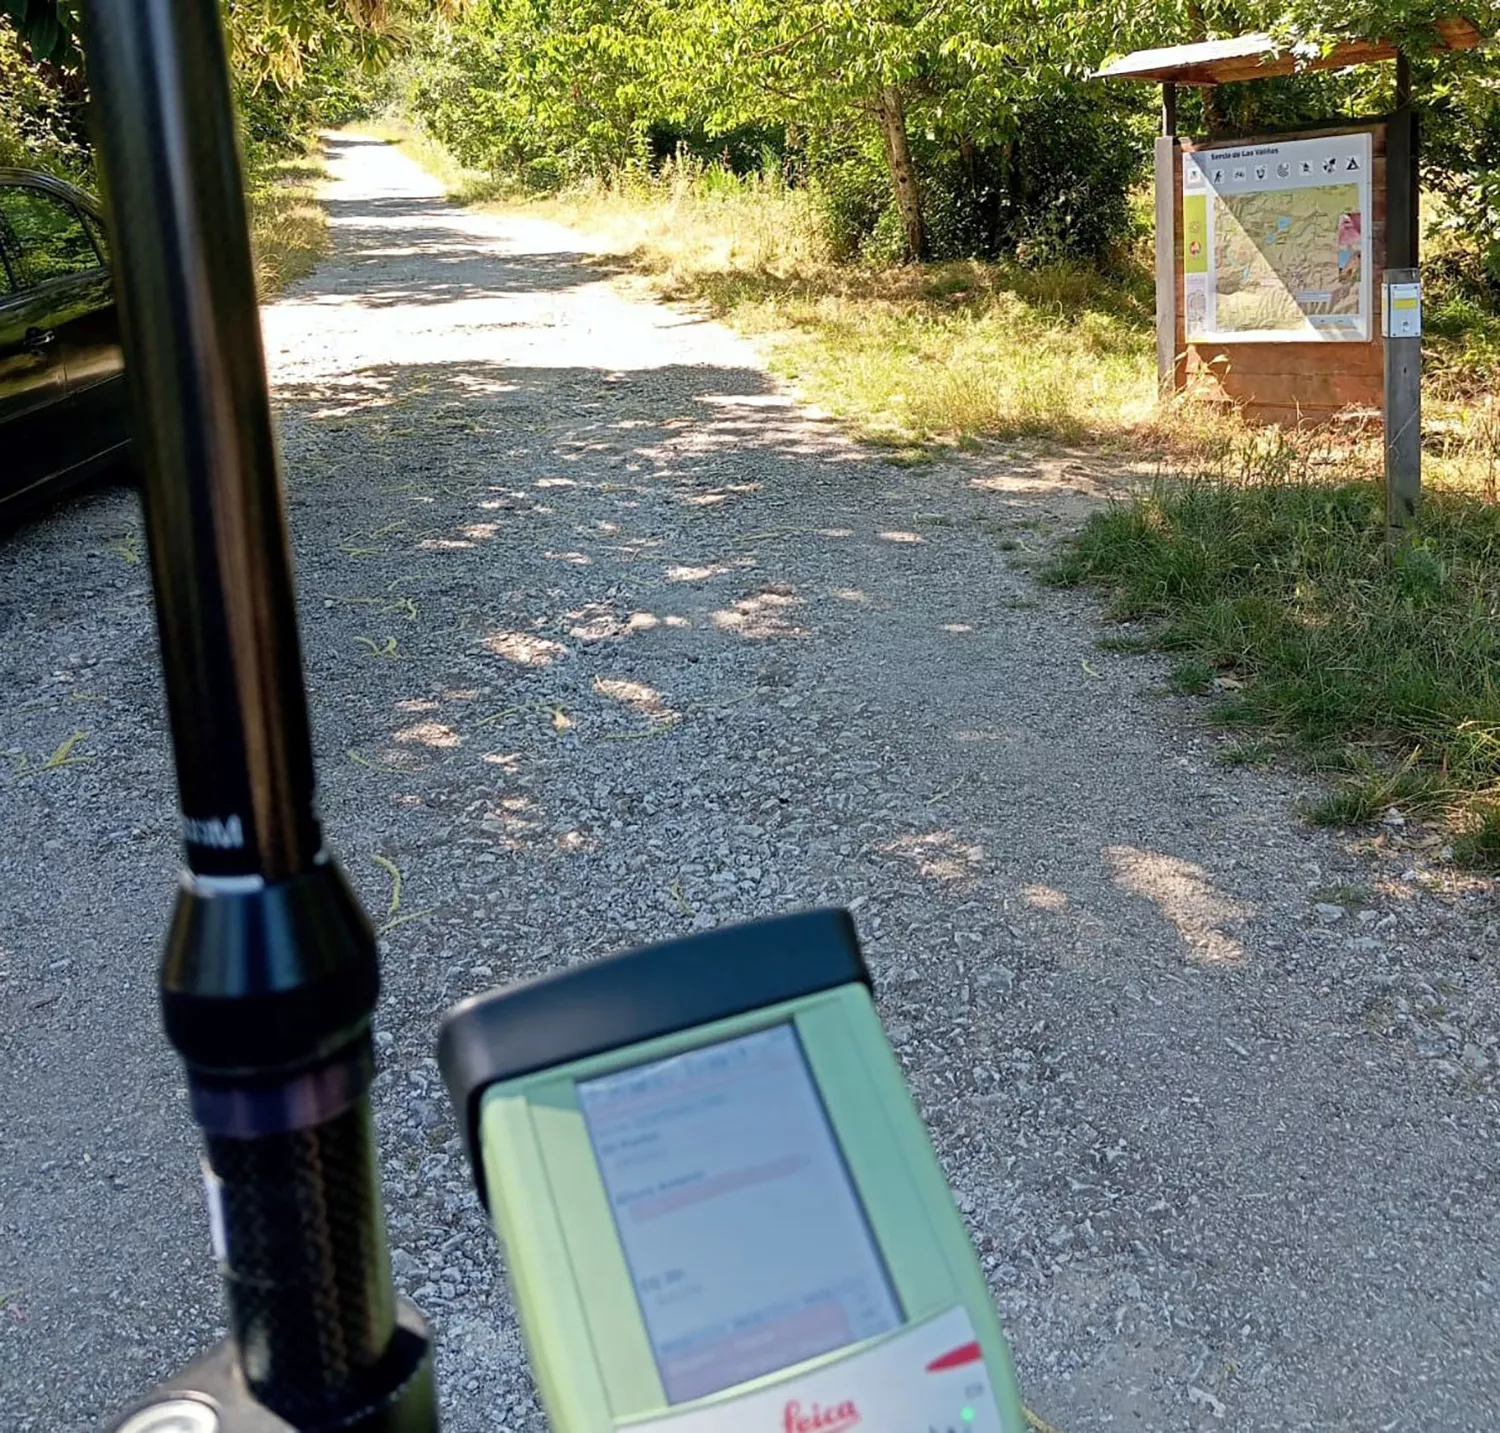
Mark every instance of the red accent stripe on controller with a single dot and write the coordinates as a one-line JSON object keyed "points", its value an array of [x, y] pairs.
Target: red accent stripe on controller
{"points": [[956, 1358]]}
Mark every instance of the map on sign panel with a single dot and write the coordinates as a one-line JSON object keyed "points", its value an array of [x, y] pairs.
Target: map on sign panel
{"points": [[1276, 241]]}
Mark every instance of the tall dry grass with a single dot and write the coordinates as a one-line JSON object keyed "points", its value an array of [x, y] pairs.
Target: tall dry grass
{"points": [[924, 356], [909, 355], [288, 226]]}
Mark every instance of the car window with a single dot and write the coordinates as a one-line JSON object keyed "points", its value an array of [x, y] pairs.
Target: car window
{"points": [[54, 242], [96, 233], [10, 259]]}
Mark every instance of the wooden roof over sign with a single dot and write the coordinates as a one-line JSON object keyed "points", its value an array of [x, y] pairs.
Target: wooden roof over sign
{"points": [[1259, 57]]}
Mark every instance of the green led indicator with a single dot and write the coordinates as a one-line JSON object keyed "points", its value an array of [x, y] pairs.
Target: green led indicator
{"points": [[967, 1415]]}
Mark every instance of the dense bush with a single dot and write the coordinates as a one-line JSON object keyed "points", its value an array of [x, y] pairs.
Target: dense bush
{"points": [[1059, 190], [41, 114], [278, 118], [294, 66], [748, 149], [521, 91], [1461, 154], [1063, 189]]}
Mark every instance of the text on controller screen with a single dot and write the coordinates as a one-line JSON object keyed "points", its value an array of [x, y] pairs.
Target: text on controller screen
{"points": [[747, 1245]]}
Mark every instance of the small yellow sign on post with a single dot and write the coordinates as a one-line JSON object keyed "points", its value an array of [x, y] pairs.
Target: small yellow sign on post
{"points": [[1402, 310]]}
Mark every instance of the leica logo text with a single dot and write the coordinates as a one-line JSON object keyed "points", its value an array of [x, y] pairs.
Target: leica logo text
{"points": [[817, 1419]]}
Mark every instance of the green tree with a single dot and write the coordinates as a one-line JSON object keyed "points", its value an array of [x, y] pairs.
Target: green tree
{"points": [[548, 89], [960, 74], [289, 54], [41, 113]]}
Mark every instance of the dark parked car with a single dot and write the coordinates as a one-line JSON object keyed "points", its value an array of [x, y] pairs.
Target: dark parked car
{"points": [[62, 390]]}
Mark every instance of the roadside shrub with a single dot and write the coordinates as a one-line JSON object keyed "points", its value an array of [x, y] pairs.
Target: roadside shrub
{"points": [[41, 114], [1059, 190], [853, 193], [745, 150], [538, 107], [1063, 188], [1281, 596]]}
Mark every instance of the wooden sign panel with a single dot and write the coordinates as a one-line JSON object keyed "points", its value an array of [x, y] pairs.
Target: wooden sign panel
{"points": [[1281, 239]]}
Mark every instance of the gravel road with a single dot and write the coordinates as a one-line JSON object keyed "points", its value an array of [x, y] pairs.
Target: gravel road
{"points": [[608, 641]]}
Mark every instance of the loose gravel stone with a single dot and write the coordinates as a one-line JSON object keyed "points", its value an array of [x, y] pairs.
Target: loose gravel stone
{"points": [[607, 641]]}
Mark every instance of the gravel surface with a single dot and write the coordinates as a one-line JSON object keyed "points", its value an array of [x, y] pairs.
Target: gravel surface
{"points": [[608, 641]]}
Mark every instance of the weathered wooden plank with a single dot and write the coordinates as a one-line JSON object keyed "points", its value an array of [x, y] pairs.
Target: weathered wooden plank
{"points": [[1233, 71], [1259, 56], [1290, 358], [1243, 57], [1403, 224], [1308, 390]]}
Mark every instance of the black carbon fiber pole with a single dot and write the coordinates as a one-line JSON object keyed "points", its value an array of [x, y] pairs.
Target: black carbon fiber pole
{"points": [[269, 976]]}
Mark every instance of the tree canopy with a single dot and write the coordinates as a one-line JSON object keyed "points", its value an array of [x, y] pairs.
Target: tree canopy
{"points": [[928, 125]]}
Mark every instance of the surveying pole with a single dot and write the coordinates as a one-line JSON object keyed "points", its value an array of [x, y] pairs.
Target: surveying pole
{"points": [[269, 976]]}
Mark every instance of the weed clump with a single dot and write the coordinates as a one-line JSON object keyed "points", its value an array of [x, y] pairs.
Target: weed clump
{"points": [[1380, 667]]}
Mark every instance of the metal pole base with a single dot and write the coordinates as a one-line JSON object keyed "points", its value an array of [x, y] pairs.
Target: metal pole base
{"points": [[210, 1394]]}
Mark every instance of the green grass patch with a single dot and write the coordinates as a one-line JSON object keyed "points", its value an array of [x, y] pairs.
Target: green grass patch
{"points": [[1381, 668], [1192, 675], [1479, 844], [1251, 752], [1134, 642], [949, 354], [1365, 797]]}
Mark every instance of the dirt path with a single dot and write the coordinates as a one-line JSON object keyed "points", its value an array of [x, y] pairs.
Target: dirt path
{"points": [[606, 641]]}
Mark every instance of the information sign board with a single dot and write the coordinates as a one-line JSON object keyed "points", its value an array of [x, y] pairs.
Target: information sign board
{"points": [[1276, 241]]}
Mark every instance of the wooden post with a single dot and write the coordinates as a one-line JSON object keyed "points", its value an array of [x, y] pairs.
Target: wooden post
{"points": [[1402, 221], [1403, 352], [1403, 402], [1166, 264], [1169, 109]]}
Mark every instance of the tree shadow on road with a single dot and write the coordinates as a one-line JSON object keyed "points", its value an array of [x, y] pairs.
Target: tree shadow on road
{"points": [[422, 250]]}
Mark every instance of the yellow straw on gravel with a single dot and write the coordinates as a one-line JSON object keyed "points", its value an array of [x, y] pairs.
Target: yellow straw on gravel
{"points": [[1035, 1420]]}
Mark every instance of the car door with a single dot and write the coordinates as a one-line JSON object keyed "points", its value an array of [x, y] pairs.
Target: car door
{"points": [[33, 384], [92, 356], [65, 265]]}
